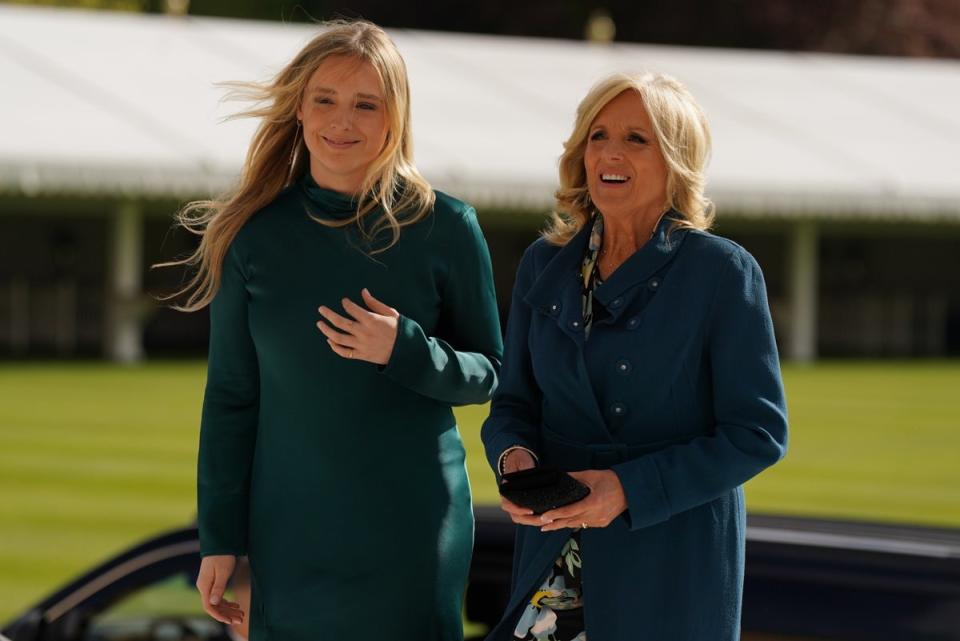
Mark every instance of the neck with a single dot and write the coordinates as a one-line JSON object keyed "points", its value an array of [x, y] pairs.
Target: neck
{"points": [[624, 234], [347, 185]]}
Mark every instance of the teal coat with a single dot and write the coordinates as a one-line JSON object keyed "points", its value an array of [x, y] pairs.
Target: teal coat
{"points": [[678, 391], [343, 481]]}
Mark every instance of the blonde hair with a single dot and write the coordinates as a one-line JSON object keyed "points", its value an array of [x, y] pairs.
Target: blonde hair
{"points": [[684, 138], [278, 156]]}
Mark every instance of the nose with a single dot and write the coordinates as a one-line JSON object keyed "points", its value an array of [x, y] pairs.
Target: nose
{"points": [[613, 151], [343, 118]]}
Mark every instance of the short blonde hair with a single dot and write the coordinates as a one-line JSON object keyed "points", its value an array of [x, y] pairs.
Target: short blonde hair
{"points": [[681, 130]]}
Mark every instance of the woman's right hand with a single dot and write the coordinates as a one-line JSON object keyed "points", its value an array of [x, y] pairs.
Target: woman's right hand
{"points": [[515, 461], [215, 571]]}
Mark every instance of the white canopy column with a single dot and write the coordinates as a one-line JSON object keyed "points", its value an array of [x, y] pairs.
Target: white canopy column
{"points": [[124, 332], [804, 258]]}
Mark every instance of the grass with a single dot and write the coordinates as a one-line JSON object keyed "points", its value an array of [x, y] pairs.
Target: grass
{"points": [[95, 457]]}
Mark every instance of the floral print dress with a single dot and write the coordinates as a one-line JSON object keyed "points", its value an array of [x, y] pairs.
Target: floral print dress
{"points": [[555, 612]]}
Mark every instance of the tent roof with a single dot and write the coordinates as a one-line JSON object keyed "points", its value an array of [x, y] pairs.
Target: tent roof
{"points": [[125, 104]]}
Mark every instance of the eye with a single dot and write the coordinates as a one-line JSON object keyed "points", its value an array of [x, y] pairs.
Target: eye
{"points": [[323, 100], [369, 106], [598, 135], [637, 138]]}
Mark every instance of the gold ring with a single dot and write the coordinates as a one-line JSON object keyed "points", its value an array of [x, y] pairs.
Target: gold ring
{"points": [[584, 526], [350, 354]]}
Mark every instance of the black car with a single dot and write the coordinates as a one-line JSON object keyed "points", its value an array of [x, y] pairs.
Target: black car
{"points": [[147, 593], [823, 579]]}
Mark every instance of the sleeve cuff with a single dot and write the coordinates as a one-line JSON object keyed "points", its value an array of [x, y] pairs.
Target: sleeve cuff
{"points": [[222, 525], [411, 356], [407, 331], [647, 502]]}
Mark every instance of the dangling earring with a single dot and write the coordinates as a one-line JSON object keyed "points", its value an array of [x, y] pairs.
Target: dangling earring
{"points": [[296, 144]]}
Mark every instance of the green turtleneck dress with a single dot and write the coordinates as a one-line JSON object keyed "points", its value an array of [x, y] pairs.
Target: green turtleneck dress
{"points": [[344, 481]]}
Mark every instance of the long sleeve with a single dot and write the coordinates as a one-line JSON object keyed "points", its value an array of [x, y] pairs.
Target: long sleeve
{"points": [[460, 363], [515, 411], [749, 408], [229, 420]]}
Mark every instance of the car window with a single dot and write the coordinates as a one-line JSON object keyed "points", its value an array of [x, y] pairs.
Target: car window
{"points": [[168, 610]]}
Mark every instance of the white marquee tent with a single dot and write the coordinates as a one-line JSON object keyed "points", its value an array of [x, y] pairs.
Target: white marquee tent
{"points": [[126, 106]]}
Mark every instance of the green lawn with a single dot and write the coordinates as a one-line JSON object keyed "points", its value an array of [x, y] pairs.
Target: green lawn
{"points": [[94, 457]]}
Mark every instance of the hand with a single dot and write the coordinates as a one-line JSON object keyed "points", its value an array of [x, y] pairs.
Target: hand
{"points": [[514, 461], [517, 460], [215, 571], [365, 335], [605, 502], [520, 515]]}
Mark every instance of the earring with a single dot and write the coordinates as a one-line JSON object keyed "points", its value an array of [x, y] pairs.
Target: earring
{"points": [[296, 144]]}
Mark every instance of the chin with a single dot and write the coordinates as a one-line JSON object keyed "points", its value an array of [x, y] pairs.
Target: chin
{"points": [[615, 201]]}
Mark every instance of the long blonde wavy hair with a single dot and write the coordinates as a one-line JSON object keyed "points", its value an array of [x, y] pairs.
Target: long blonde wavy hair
{"points": [[684, 136], [393, 192]]}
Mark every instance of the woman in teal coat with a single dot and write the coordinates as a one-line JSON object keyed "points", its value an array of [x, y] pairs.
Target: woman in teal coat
{"points": [[640, 357], [350, 306]]}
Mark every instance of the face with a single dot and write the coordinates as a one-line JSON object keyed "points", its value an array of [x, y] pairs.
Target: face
{"points": [[344, 122], [626, 173]]}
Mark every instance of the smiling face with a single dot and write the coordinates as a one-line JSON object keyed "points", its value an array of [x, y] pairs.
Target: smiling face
{"points": [[626, 173], [345, 122]]}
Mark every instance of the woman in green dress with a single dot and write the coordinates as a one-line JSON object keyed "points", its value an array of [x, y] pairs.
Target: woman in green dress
{"points": [[351, 306]]}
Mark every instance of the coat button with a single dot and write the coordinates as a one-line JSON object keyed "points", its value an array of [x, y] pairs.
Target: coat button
{"points": [[653, 284], [618, 409], [616, 302], [624, 366], [633, 322], [575, 324], [554, 308]]}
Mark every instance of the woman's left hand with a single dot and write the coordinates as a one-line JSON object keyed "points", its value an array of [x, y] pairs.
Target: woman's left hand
{"points": [[367, 335], [605, 502]]}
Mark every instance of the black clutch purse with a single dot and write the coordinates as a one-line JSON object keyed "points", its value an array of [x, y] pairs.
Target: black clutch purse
{"points": [[542, 489]]}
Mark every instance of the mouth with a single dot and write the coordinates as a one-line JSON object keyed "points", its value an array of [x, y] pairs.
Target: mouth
{"points": [[613, 179], [339, 144]]}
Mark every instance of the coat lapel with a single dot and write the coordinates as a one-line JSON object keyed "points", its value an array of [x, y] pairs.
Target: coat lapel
{"points": [[642, 269], [557, 290], [557, 293]]}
